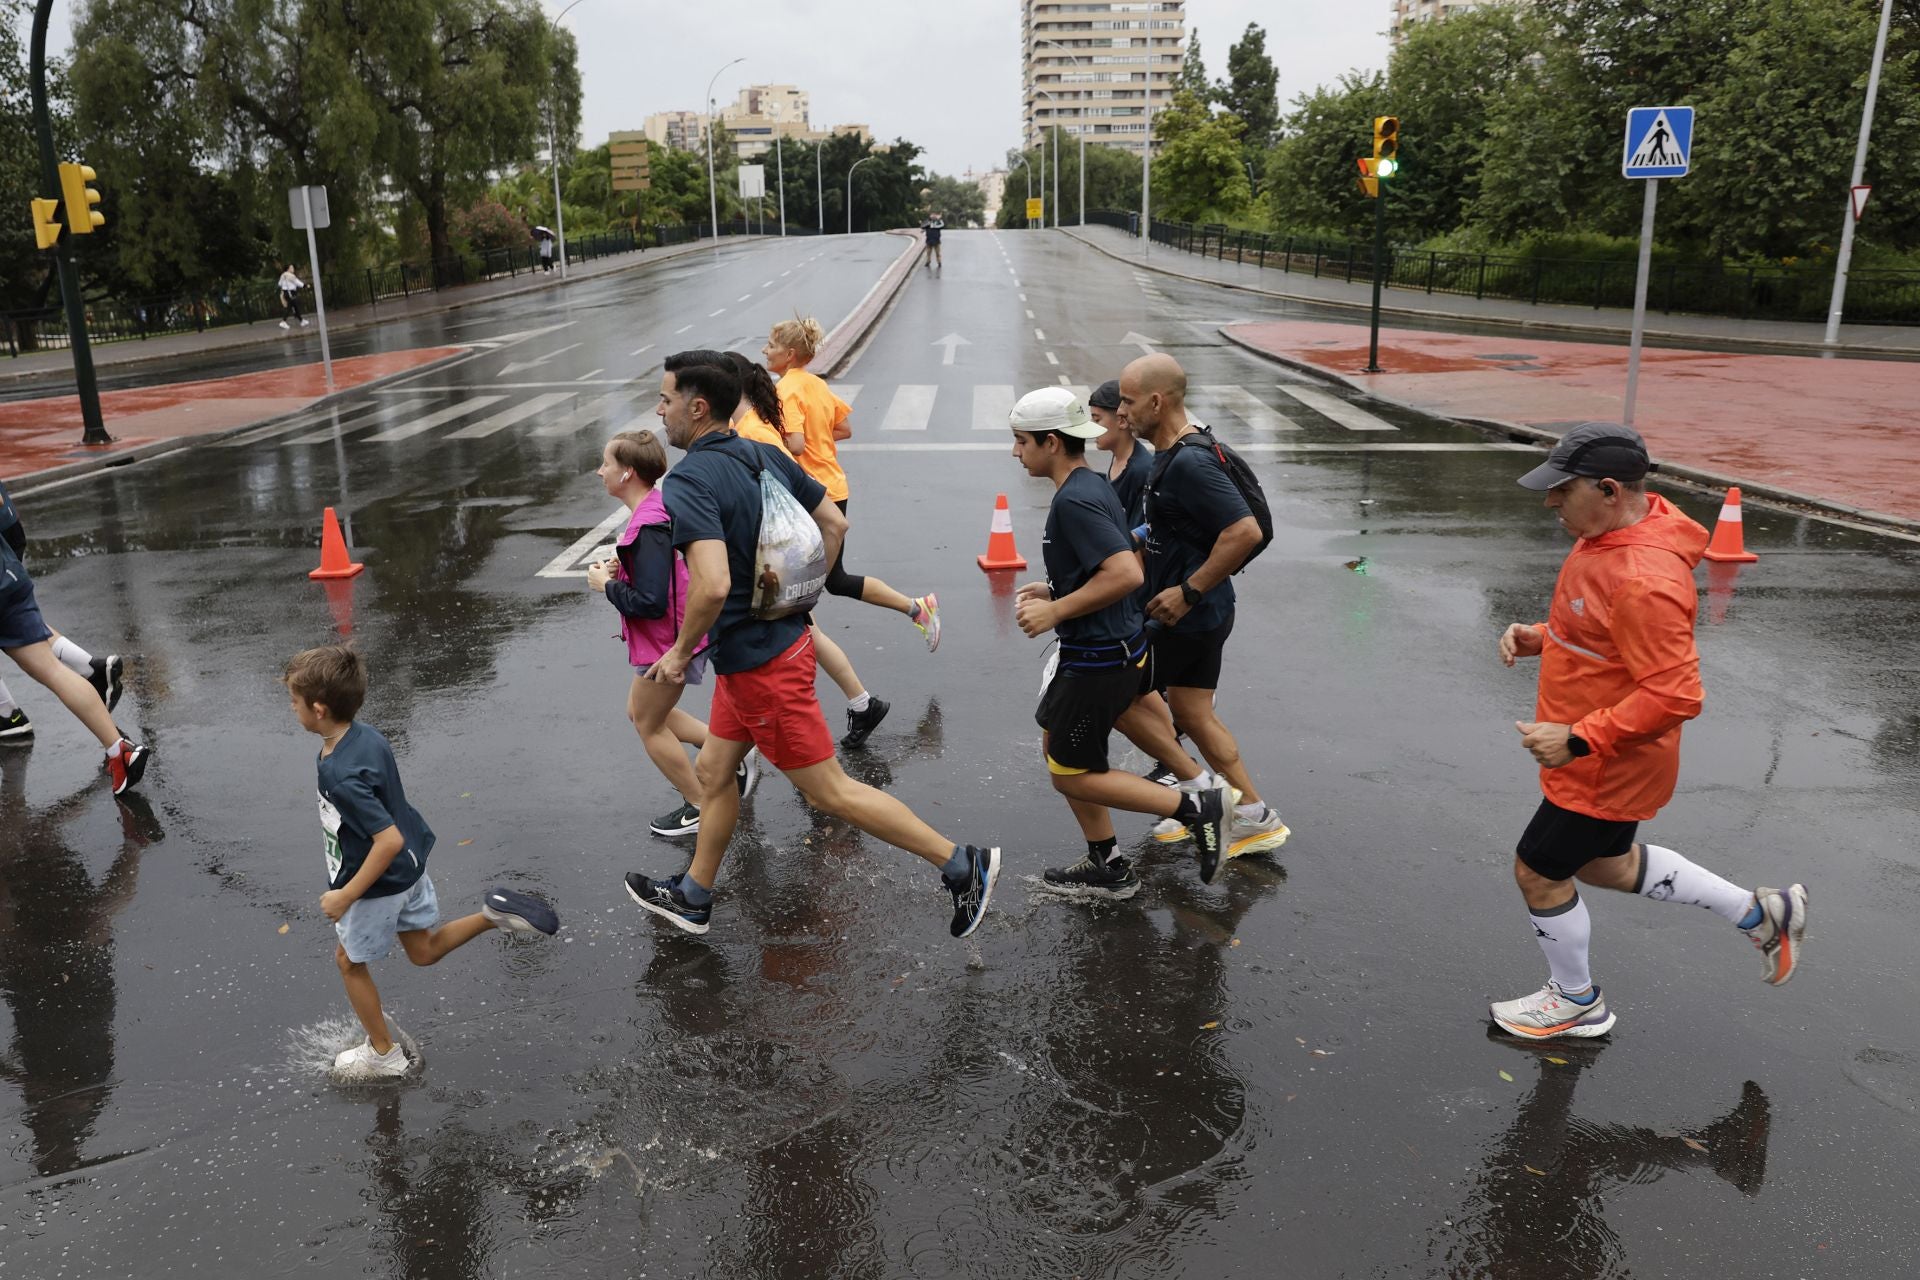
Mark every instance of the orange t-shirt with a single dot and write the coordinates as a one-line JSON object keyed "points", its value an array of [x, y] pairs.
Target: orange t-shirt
{"points": [[813, 411], [754, 427]]}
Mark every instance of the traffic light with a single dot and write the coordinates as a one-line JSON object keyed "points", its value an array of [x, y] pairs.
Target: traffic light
{"points": [[45, 230], [1369, 184], [1386, 146], [82, 218]]}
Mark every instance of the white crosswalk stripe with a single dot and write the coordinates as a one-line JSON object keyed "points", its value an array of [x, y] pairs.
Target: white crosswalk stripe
{"points": [[1325, 403], [1244, 405], [847, 391], [508, 416], [912, 408], [602, 409], [992, 402], [347, 414], [420, 426], [329, 431]]}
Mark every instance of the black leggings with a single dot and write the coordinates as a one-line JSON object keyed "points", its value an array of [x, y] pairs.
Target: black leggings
{"points": [[839, 581]]}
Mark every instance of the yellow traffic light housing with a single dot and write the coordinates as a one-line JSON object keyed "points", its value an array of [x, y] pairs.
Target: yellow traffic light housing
{"points": [[1386, 146], [1369, 185], [46, 231], [82, 218]]}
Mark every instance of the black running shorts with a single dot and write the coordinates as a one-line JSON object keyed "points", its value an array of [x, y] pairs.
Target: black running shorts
{"points": [[1078, 712], [1558, 842], [1187, 659]]}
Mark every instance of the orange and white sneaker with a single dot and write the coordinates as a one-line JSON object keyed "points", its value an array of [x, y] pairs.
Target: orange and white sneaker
{"points": [[1550, 1012], [926, 616], [127, 768], [1783, 924]]}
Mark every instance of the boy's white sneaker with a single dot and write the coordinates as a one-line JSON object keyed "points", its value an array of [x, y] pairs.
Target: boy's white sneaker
{"points": [[362, 1063]]}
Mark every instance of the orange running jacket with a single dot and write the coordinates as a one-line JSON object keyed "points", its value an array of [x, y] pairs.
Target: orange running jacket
{"points": [[1618, 663]]}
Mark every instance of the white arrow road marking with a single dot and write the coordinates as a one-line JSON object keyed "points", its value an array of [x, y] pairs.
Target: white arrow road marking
{"points": [[951, 342], [1139, 340]]}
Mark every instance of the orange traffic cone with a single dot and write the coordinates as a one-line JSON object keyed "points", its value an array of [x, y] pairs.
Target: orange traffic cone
{"points": [[1001, 553], [1729, 542], [333, 552]]}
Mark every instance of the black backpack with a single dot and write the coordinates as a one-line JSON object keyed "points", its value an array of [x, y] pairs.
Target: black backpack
{"points": [[1243, 479]]}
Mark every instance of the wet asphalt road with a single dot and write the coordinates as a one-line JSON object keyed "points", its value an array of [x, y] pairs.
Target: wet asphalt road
{"points": [[1287, 1073]]}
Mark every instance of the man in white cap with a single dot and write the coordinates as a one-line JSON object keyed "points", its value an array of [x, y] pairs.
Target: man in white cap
{"points": [[1089, 600]]}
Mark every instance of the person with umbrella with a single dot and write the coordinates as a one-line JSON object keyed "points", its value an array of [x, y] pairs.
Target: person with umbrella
{"points": [[545, 237]]}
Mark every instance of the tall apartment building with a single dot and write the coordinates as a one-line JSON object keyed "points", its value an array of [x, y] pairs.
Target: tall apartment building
{"points": [[1409, 13], [1089, 67], [680, 130]]}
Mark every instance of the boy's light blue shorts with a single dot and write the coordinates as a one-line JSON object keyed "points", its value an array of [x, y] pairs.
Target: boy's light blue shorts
{"points": [[369, 928]]}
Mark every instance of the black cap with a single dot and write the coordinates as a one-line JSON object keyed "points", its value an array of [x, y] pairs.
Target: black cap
{"points": [[1595, 449], [1106, 395]]}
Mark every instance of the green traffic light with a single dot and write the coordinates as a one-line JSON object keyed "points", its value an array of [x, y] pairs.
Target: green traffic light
{"points": [[1387, 168]]}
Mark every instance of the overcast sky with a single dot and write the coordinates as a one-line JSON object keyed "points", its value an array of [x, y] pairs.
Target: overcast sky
{"points": [[943, 73]]}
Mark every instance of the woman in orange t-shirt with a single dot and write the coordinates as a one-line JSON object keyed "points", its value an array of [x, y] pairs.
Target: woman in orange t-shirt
{"points": [[759, 417], [815, 420]]}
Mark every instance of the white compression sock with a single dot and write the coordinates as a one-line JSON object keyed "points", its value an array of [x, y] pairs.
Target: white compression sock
{"points": [[859, 703], [1563, 933], [1665, 876], [72, 656], [7, 705]]}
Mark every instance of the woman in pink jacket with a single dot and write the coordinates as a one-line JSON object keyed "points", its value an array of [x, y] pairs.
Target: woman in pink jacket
{"points": [[646, 581]]}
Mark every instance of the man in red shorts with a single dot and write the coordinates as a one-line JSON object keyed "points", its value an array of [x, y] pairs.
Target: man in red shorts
{"points": [[763, 690]]}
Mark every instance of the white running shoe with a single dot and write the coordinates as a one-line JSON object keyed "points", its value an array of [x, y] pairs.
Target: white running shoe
{"points": [[362, 1063], [1547, 1013], [285, 325], [305, 323], [1783, 924], [929, 619], [1172, 830], [747, 776], [1256, 835]]}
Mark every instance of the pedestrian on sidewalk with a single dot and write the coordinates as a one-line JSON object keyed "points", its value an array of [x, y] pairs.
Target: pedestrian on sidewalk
{"points": [[545, 246], [1619, 676], [1200, 532], [1147, 724], [816, 421], [646, 581], [759, 419], [378, 889], [764, 667], [106, 675], [290, 286], [1090, 601]]}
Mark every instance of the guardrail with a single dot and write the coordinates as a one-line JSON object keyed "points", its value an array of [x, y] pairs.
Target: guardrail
{"points": [[1753, 293]]}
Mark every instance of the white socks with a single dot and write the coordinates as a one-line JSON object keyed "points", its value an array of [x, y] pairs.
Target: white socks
{"points": [[7, 705], [859, 703], [72, 656], [1563, 933], [1665, 876]]}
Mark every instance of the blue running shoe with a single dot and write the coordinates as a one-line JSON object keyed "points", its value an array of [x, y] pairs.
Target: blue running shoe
{"points": [[663, 898], [518, 912], [970, 900]]}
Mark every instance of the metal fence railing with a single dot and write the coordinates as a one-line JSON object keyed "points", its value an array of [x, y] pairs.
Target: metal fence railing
{"points": [[1751, 292], [121, 320]]}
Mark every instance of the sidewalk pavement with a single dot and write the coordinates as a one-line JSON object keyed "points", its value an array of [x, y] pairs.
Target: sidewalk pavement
{"points": [[1449, 309], [1836, 434], [56, 367]]}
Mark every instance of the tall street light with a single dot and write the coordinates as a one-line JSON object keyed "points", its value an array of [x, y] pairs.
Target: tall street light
{"points": [[553, 155], [819, 181], [1845, 257], [856, 164], [1029, 169], [1146, 171], [1081, 131], [1055, 104], [713, 197]]}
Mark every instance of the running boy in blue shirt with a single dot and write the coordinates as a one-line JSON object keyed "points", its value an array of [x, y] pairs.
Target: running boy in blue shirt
{"points": [[377, 846]]}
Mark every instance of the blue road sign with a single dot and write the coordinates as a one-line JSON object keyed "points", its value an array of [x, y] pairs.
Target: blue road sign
{"points": [[1659, 142]]}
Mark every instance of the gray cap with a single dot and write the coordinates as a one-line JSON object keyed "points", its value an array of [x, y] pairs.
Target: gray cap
{"points": [[1106, 395], [1595, 449]]}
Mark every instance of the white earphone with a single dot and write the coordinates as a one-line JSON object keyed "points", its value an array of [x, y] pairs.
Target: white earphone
{"points": [[626, 475]]}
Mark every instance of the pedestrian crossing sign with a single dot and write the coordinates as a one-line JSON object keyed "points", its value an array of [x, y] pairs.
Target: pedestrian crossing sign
{"points": [[1659, 142]]}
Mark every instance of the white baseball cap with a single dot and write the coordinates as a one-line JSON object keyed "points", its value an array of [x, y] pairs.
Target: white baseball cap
{"points": [[1054, 409]]}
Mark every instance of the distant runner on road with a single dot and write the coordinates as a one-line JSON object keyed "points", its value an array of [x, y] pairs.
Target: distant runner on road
{"points": [[1619, 676], [931, 230]]}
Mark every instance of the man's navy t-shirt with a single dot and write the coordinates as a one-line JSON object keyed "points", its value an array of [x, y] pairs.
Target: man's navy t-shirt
{"points": [[361, 796], [1086, 528], [714, 493], [1190, 492], [1130, 486]]}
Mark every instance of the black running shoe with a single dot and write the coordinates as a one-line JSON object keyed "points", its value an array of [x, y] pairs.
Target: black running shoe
{"points": [[970, 900], [127, 768], [16, 730], [1163, 775], [1089, 879], [664, 900], [519, 912], [861, 724], [684, 821], [1210, 832], [107, 679]]}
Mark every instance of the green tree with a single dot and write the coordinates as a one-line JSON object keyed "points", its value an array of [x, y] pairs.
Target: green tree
{"points": [[1198, 174], [1311, 175], [1192, 75], [962, 203], [1251, 91], [26, 274]]}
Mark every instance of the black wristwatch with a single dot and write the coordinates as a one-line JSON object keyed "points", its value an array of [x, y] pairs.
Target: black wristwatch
{"points": [[1578, 746], [1189, 594]]}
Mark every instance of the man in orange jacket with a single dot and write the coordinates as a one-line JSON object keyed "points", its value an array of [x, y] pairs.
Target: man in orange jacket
{"points": [[1619, 675]]}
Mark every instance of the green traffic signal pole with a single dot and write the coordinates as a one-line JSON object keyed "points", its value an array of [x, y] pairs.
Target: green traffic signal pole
{"points": [[1379, 266], [96, 428]]}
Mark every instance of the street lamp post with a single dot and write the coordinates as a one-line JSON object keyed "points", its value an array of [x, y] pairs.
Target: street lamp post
{"points": [[1845, 255], [553, 155], [819, 181], [713, 196], [780, 178], [1029, 168], [1081, 131], [856, 164], [1055, 103], [1146, 173]]}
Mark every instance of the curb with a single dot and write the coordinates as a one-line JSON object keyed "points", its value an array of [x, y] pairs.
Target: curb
{"points": [[34, 481], [1791, 501], [848, 339], [11, 377], [1748, 346]]}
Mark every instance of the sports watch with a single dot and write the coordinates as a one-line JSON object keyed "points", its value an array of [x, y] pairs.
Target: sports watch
{"points": [[1578, 746], [1193, 597]]}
